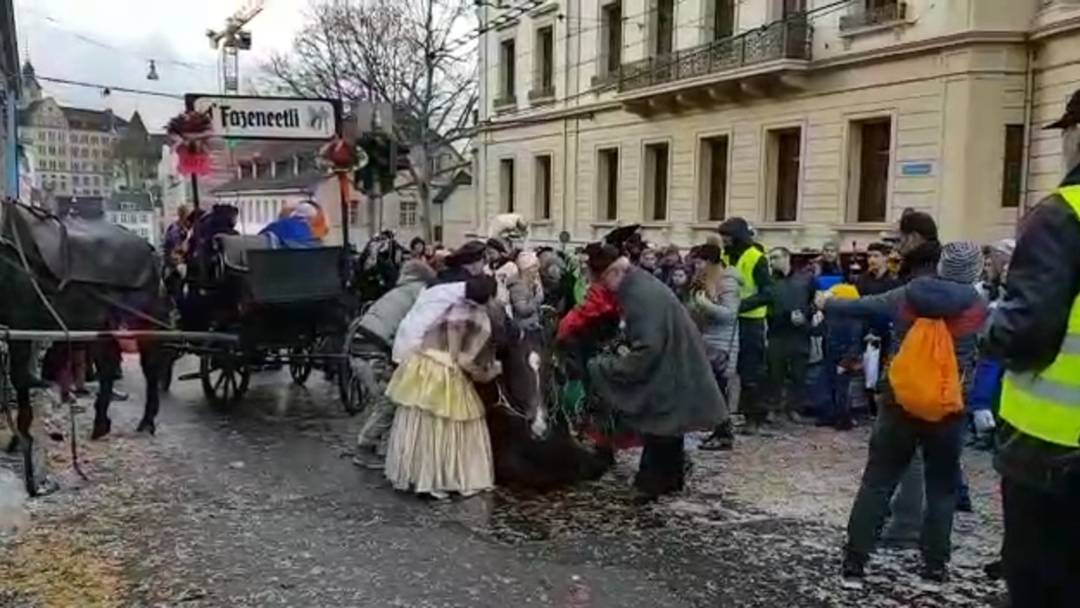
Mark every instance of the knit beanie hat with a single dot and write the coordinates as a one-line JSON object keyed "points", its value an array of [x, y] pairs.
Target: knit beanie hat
{"points": [[961, 262]]}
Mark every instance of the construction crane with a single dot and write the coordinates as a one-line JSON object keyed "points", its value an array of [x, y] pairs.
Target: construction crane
{"points": [[233, 39]]}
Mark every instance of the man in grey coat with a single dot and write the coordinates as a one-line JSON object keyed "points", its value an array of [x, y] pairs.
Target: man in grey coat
{"points": [[662, 383], [380, 323]]}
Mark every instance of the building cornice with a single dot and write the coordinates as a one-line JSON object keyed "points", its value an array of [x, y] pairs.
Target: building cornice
{"points": [[1055, 28], [895, 51], [918, 47]]}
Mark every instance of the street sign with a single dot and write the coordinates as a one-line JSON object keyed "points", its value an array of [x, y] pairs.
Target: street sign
{"points": [[236, 117], [916, 169]]}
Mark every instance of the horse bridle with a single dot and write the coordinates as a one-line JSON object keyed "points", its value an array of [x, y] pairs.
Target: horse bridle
{"points": [[504, 402]]}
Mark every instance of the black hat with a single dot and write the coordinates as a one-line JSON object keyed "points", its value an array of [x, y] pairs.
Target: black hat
{"points": [[1071, 117], [469, 253], [601, 255], [736, 228], [622, 234], [919, 223], [497, 245]]}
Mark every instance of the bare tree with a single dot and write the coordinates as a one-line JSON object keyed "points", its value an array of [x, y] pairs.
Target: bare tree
{"points": [[409, 53]]}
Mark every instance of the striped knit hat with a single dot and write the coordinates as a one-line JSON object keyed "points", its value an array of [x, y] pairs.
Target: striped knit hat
{"points": [[961, 262]]}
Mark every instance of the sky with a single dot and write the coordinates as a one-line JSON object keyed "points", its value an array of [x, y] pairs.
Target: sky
{"points": [[110, 42]]}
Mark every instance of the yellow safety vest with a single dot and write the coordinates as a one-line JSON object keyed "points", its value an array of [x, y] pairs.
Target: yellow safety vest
{"points": [[1046, 405], [745, 265]]}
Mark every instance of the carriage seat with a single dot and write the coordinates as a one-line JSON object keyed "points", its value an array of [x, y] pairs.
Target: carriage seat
{"points": [[234, 249], [81, 250]]}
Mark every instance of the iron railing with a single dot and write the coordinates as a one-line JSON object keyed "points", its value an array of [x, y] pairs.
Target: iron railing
{"points": [[869, 16], [787, 39]]}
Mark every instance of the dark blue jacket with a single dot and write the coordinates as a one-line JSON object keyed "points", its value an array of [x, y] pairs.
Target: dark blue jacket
{"points": [[962, 306]]}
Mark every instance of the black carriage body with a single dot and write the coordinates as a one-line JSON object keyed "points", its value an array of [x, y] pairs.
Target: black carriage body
{"points": [[289, 298]]}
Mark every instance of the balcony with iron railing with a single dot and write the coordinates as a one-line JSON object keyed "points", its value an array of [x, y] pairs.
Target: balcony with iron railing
{"points": [[863, 16], [790, 39]]}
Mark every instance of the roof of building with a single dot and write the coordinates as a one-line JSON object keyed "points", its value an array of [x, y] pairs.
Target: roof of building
{"points": [[118, 200], [92, 120], [305, 181], [86, 206], [268, 151]]}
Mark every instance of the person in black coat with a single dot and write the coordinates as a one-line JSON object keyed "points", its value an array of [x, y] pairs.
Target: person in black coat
{"points": [[1041, 480], [789, 333]]}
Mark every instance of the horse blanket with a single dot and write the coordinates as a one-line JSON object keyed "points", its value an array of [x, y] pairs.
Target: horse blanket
{"points": [[80, 250]]}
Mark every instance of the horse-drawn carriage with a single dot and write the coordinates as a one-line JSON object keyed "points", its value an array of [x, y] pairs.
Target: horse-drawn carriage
{"points": [[284, 307]]}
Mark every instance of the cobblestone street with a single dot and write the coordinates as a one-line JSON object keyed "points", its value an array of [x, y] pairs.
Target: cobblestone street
{"points": [[261, 506]]}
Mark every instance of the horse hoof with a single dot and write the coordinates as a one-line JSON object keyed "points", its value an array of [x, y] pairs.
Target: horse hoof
{"points": [[101, 429], [147, 426]]}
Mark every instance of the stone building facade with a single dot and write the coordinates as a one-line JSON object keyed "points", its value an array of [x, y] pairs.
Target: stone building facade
{"points": [[814, 119]]}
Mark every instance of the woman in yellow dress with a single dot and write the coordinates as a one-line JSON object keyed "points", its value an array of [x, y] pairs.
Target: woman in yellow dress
{"points": [[439, 442]]}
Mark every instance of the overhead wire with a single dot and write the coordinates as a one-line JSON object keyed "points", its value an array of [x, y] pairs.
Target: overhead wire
{"points": [[57, 24], [109, 87]]}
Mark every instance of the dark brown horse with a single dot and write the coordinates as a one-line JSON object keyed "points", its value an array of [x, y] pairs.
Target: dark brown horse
{"points": [[74, 275], [533, 449]]}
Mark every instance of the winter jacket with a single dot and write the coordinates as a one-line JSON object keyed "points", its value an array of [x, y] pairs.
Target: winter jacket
{"points": [[386, 314], [664, 384], [600, 306], [743, 239], [718, 319], [962, 306], [795, 292], [1029, 325]]}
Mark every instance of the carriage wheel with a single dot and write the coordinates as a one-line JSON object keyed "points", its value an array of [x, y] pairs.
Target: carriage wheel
{"points": [[224, 377], [300, 365], [353, 391]]}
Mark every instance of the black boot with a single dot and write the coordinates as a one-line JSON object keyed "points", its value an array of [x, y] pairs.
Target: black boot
{"points": [[102, 427], [147, 425]]}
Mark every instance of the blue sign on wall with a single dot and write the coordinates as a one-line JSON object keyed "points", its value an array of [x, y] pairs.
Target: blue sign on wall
{"points": [[916, 169]]}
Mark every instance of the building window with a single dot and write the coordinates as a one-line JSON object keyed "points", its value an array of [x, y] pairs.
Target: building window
{"points": [[869, 151], [542, 197], [545, 58], [407, 213], [783, 163], [713, 177], [723, 19], [1014, 166], [796, 7], [657, 170], [507, 58], [506, 184], [607, 170], [282, 168], [611, 30], [665, 27]]}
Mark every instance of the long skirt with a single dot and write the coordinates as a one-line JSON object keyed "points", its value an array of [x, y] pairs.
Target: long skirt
{"points": [[439, 440]]}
